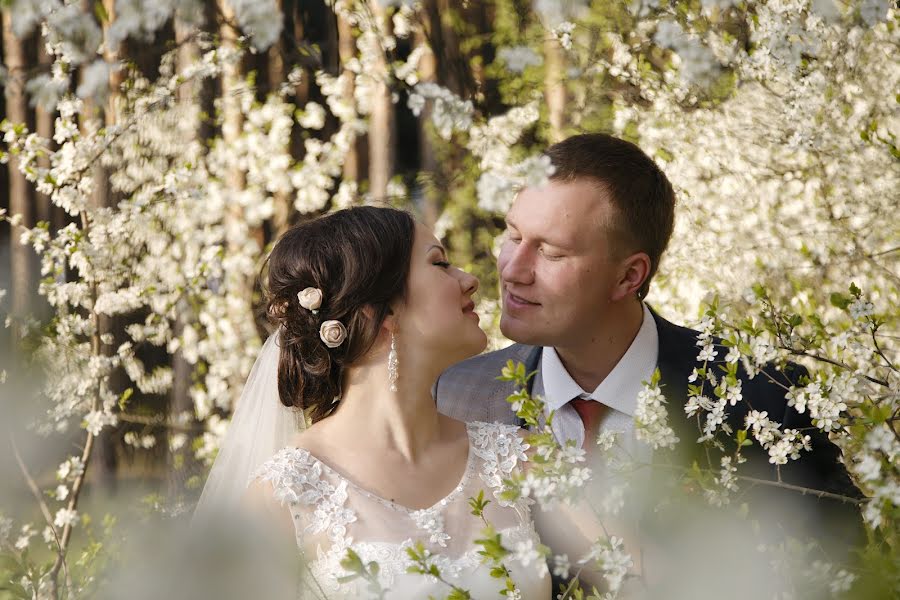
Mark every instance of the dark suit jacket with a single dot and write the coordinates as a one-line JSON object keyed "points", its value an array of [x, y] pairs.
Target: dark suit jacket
{"points": [[469, 391]]}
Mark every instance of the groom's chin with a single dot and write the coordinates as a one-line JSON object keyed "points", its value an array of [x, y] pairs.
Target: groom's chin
{"points": [[517, 330]]}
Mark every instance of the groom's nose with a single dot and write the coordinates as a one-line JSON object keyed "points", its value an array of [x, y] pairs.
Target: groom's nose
{"points": [[516, 263]]}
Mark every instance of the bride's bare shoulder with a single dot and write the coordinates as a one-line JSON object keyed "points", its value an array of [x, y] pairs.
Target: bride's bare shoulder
{"points": [[310, 439]]}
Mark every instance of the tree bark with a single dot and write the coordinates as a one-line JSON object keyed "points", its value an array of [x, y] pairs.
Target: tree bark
{"points": [[555, 93], [21, 194], [93, 117], [382, 121], [181, 462], [355, 162], [427, 158], [277, 75], [46, 211]]}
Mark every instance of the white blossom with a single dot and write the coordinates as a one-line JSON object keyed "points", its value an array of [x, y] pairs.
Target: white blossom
{"points": [[518, 58], [313, 116], [65, 517], [74, 33], [561, 566], [262, 19], [25, 536], [62, 492], [651, 419], [95, 81], [611, 559], [860, 309]]}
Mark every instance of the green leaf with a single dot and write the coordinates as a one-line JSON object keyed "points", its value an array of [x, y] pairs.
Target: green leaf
{"points": [[478, 504], [840, 301], [123, 399], [352, 562]]}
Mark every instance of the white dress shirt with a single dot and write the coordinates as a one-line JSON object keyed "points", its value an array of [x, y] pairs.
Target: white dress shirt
{"points": [[619, 390]]}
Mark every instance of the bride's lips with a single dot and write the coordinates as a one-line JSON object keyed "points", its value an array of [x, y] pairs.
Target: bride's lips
{"points": [[514, 302]]}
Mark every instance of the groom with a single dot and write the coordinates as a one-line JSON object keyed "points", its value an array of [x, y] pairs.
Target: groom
{"points": [[575, 268]]}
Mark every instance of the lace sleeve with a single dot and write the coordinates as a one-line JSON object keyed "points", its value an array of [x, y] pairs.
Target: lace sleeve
{"points": [[317, 505], [502, 450], [287, 471]]}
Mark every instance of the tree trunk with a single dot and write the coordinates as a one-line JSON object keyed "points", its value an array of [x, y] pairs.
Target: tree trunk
{"points": [[181, 462], [355, 161], [46, 211], [21, 195], [93, 117], [232, 119], [427, 160], [277, 75], [555, 88], [382, 121]]}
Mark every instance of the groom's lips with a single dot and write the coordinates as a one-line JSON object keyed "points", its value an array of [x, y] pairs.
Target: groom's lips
{"points": [[517, 302]]}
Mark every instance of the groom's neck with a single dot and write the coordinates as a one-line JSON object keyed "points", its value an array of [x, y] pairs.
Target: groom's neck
{"points": [[593, 355]]}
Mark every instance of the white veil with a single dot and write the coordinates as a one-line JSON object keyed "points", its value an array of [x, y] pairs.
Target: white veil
{"points": [[261, 426]]}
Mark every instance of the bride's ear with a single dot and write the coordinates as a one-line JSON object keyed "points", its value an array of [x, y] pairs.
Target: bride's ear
{"points": [[389, 323]]}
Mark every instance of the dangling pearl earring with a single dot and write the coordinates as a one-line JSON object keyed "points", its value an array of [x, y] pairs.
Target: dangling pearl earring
{"points": [[393, 364]]}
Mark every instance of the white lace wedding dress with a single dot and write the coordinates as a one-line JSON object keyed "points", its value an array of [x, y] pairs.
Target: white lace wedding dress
{"points": [[331, 514]]}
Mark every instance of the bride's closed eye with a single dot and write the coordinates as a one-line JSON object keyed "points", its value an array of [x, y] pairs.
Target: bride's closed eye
{"points": [[442, 264]]}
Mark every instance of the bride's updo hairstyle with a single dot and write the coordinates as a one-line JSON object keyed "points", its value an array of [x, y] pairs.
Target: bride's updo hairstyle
{"points": [[359, 257]]}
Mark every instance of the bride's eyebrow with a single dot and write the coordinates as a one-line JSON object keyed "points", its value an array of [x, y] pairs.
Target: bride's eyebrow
{"points": [[439, 248]]}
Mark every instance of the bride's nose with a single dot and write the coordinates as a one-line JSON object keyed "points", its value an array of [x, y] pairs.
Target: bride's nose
{"points": [[468, 283]]}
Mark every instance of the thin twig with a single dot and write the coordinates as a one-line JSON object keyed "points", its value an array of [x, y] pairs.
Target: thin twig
{"points": [[158, 421], [880, 351], [779, 484], [45, 511]]}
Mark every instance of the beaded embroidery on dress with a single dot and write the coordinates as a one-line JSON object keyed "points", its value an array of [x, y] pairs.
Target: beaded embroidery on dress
{"points": [[331, 514]]}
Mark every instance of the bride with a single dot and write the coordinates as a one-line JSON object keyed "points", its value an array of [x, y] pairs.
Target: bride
{"points": [[368, 312]]}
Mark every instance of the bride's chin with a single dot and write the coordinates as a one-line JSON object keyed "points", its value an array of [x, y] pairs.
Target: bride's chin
{"points": [[472, 345], [477, 345]]}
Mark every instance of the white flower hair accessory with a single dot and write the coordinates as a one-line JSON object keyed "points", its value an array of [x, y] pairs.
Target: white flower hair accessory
{"points": [[333, 333], [310, 299]]}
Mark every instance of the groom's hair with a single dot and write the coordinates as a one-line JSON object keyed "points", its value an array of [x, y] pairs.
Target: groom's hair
{"points": [[643, 198]]}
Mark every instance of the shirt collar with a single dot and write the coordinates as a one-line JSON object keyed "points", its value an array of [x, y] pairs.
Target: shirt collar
{"points": [[619, 390]]}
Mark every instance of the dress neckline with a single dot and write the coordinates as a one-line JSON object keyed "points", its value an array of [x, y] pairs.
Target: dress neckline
{"points": [[440, 503]]}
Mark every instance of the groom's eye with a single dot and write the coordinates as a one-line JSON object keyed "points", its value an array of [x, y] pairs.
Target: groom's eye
{"points": [[549, 255]]}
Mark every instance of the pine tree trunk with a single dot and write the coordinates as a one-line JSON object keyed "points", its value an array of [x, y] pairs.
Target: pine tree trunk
{"points": [[46, 211], [427, 160], [21, 195], [355, 168], [555, 93], [181, 462], [382, 121], [277, 75]]}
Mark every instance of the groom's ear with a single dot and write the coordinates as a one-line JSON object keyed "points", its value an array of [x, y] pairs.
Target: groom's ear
{"points": [[633, 271]]}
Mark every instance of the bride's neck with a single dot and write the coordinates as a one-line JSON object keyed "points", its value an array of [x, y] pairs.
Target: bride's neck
{"points": [[405, 422]]}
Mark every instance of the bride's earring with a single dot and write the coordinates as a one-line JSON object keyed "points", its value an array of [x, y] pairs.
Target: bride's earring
{"points": [[393, 364]]}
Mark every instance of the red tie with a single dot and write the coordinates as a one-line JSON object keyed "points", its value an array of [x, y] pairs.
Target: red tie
{"points": [[590, 412]]}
